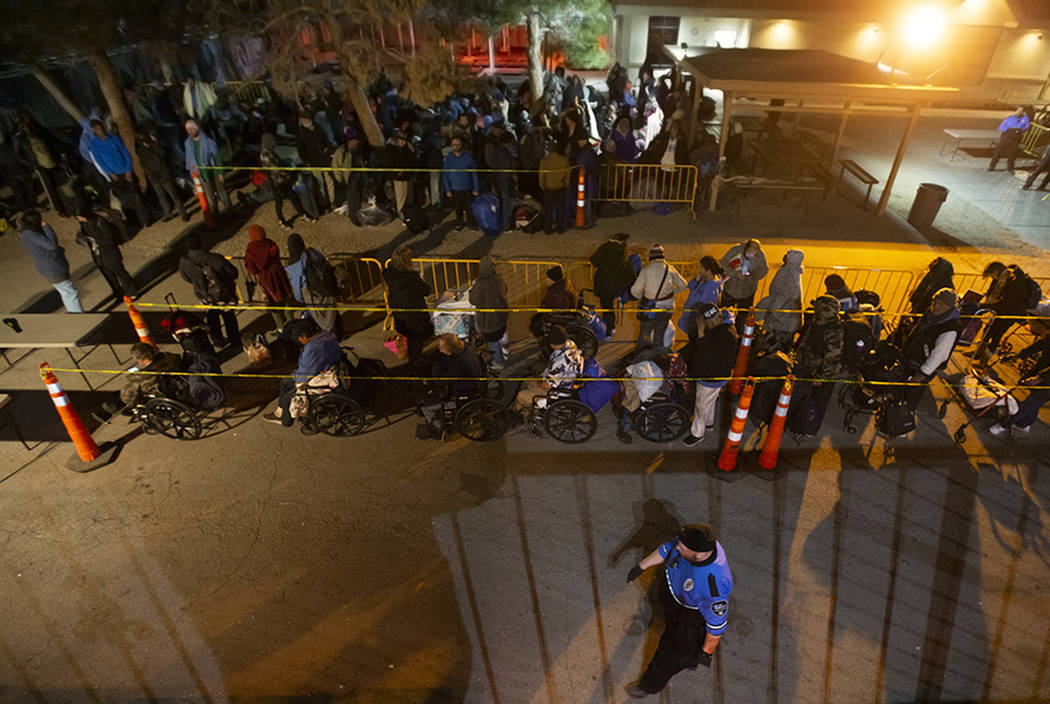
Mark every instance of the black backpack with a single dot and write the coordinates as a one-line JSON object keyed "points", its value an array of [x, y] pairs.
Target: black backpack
{"points": [[858, 341], [211, 284], [895, 417], [320, 276]]}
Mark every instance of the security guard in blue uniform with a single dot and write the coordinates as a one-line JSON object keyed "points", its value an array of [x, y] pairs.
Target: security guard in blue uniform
{"points": [[695, 600]]}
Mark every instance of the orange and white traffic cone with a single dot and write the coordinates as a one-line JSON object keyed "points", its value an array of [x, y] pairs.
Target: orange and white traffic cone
{"points": [[743, 354], [198, 188], [89, 456], [581, 197], [727, 460], [771, 448], [141, 329]]}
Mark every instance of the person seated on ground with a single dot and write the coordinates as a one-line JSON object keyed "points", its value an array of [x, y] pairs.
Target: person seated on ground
{"points": [[929, 345], [565, 364], [321, 350], [561, 295], [456, 371], [138, 386], [1038, 375], [835, 286]]}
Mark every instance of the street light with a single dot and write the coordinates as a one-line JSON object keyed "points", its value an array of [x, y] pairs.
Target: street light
{"points": [[924, 26]]}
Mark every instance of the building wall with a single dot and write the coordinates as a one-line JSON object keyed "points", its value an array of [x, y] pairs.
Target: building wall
{"points": [[982, 50]]}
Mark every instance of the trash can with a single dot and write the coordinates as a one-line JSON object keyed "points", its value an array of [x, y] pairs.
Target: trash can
{"points": [[928, 199]]}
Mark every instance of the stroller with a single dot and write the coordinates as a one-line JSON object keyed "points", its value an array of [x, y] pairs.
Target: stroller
{"points": [[981, 392], [198, 355]]}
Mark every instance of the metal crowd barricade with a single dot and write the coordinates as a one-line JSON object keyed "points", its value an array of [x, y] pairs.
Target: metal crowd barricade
{"points": [[1034, 140], [361, 279], [648, 183]]}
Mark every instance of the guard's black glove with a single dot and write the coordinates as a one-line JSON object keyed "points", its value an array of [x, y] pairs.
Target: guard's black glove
{"points": [[634, 574], [704, 659]]}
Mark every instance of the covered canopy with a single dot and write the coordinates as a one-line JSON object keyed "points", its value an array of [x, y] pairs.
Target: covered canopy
{"points": [[837, 84]]}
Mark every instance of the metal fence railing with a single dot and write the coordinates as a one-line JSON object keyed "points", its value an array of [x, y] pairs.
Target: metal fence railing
{"points": [[1034, 140], [648, 183]]}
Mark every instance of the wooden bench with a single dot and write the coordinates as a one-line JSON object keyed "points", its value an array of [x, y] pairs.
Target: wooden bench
{"points": [[817, 147], [862, 175], [4, 400]]}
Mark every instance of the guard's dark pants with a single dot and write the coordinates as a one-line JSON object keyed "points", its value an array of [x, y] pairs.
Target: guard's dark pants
{"points": [[1006, 147], [1042, 167], [680, 642]]}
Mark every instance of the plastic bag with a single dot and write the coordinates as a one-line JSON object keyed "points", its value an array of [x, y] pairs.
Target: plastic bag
{"points": [[647, 378]]}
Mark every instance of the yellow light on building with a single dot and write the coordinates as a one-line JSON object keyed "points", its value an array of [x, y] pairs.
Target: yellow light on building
{"points": [[782, 33], [924, 26]]}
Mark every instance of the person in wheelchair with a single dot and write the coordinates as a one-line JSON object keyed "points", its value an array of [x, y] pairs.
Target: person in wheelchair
{"points": [[561, 295], [564, 365], [320, 351], [928, 347], [139, 386], [456, 373]]}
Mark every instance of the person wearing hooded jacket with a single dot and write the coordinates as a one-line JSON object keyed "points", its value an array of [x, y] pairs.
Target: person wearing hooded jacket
{"points": [[745, 266], [192, 269], [1006, 296], [613, 275], [818, 355], [489, 292], [781, 310], [262, 259], [930, 343], [299, 257]]}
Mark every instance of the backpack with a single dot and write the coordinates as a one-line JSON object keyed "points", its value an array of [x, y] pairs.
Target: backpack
{"points": [[895, 418], [805, 415], [320, 275], [211, 284], [858, 340], [1035, 294]]}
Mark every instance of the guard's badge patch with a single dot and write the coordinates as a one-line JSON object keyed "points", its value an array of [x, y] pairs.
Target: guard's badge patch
{"points": [[720, 607], [688, 585]]}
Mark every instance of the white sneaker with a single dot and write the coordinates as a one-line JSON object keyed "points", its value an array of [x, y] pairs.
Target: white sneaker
{"points": [[998, 429], [1019, 429]]}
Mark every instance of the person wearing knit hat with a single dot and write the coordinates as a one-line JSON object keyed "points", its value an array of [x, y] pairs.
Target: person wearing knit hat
{"points": [[560, 296], [655, 288], [929, 345], [694, 593], [201, 151], [565, 364]]}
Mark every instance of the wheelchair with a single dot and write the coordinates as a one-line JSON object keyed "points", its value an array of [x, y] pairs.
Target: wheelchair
{"points": [[171, 410], [577, 325], [564, 416], [341, 410], [477, 417], [661, 417]]}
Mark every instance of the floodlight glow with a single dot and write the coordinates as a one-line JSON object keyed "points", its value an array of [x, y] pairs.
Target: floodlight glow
{"points": [[924, 27]]}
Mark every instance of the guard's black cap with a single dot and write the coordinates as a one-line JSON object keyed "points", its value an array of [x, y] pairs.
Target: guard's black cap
{"points": [[697, 537]]}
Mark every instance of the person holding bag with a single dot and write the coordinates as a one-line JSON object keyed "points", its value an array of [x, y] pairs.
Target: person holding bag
{"points": [[655, 289]]}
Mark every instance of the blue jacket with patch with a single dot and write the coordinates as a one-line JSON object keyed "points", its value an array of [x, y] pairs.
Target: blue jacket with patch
{"points": [[705, 588]]}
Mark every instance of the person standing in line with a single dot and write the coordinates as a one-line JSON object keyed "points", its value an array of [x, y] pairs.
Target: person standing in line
{"points": [[781, 311], [554, 181], [103, 240], [407, 296], [314, 152], [1010, 132], [694, 596], [114, 159], [214, 281], [1038, 376], [158, 173], [655, 289], [1041, 166], [314, 283], [262, 259], [50, 259], [489, 293], [201, 151], [613, 276], [705, 287], [350, 156], [710, 358], [459, 182]]}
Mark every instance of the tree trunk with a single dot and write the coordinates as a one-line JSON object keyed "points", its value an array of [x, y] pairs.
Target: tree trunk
{"points": [[60, 96], [535, 54], [357, 97], [111, 91]]}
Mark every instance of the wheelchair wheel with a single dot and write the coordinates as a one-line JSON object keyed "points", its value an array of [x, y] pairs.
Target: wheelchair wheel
{"points": [[482, 420], [173, 419], [662, 422], [584, 338], [336, 415], [570, 421], [493, 385]]}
